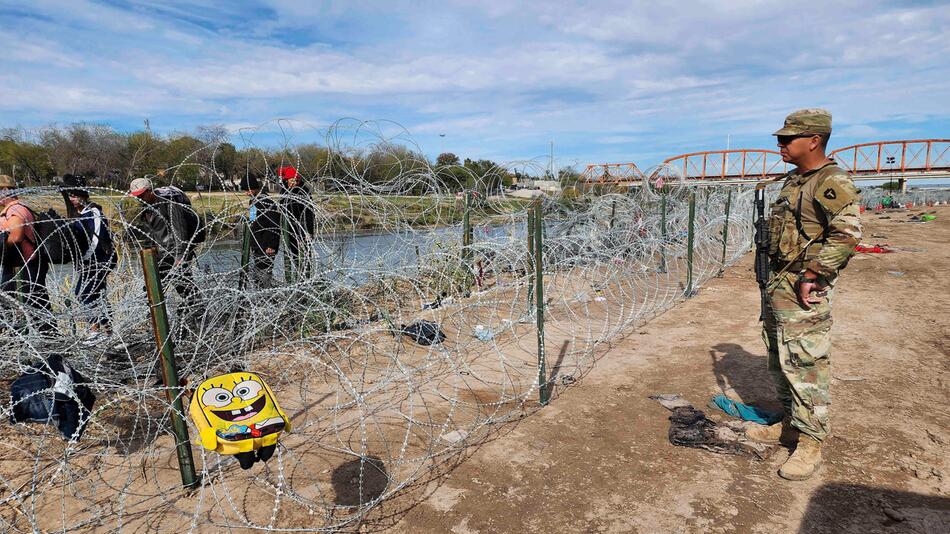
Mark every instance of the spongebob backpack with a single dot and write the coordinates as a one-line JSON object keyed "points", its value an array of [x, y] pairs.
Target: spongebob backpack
{"points": [[237, 414]]}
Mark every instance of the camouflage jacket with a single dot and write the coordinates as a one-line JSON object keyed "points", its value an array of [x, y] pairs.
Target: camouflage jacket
{"points": [[820, 207]]}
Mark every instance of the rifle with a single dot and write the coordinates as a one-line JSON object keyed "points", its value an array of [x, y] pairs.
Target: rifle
{"points": [[762, 266]]}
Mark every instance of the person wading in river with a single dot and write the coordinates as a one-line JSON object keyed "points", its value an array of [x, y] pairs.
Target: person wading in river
{"points": [[96, 256], [264, 219]]}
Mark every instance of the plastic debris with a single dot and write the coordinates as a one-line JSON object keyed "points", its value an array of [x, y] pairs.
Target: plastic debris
{"points": [[483, 333], [873, 249], [455, 436], [744, 411]]}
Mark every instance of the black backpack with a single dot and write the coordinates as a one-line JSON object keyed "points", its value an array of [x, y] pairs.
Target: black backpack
{"points": [[52, 392], [52, 237], [197, 230]]}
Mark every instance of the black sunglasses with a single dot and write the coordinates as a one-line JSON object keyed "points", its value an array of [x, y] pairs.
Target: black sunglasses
{"points": [[786, 139]]}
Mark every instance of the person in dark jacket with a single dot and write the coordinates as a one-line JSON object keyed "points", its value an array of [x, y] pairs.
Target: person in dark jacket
{"points": [[297, 205], [171, 225], [95, 257], [264, 219]]}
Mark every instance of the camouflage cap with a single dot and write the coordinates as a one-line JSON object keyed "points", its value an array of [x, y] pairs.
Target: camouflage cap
{"points": [[807, 121]]}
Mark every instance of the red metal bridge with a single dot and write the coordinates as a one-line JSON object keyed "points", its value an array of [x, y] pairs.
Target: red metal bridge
{"points": [[913, 159]]}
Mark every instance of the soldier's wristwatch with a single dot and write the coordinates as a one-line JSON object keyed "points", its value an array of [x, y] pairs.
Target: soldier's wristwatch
{"points": [[802, 278]]}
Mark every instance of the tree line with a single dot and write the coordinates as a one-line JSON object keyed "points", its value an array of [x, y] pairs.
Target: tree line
{"points": [[206, 159]]}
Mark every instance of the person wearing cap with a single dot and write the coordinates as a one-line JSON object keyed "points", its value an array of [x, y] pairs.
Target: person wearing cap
{"points": [[170, 225], [23, 268], [264, 220], [297, 206], [814, 226], [96, 256]]}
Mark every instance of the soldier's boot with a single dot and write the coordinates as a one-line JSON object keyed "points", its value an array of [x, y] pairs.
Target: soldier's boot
{"points": [[770, 433], [804, 461]]}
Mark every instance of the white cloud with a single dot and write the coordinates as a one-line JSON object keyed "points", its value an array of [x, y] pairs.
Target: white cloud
{"points": [[502, 76]]}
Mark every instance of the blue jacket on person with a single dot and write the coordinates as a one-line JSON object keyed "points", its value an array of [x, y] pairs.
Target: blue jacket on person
{"points": [[93, 238]]}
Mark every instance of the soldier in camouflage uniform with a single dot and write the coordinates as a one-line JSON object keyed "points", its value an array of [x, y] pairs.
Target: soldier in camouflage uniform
{"points": [[814, 226]]}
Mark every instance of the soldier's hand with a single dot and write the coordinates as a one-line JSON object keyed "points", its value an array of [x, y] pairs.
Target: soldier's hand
{"points": [[807, 288], [270, 252]]}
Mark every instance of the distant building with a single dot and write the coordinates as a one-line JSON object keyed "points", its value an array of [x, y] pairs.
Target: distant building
{"points": [[548, 186]]}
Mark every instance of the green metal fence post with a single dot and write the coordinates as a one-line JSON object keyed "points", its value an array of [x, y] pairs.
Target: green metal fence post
{"points": [[166, 352], [690, 236], [545, 393], [530, 263], [725, 231]]}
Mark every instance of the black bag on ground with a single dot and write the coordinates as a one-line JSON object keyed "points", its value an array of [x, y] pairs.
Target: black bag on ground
{"points": [[197, 229], [52, 392], [424, 332]]}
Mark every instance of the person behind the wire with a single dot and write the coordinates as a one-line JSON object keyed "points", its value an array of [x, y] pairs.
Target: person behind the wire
{"points": [[264, 219], [24, 268], [297, 206], [96, 256], [170, 225]]}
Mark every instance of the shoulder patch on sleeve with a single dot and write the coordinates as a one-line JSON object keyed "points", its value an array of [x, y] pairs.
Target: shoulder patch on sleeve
{"points": [[836, 192]]}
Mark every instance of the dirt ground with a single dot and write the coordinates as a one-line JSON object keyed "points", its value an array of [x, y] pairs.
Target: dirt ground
{"points": [[597, 459]]}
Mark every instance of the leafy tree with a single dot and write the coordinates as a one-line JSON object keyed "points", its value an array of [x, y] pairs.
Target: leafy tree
{"points": [[447, 158], [225, 161], [29, 162]]}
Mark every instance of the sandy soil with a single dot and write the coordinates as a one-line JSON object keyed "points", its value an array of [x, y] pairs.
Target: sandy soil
{"points": [[597, 458]]}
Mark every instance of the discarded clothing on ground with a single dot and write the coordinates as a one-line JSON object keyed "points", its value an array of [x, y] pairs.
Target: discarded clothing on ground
{"points": [[744, 411], [689, 427], [52, 392], [873, 249], [424, 332]]}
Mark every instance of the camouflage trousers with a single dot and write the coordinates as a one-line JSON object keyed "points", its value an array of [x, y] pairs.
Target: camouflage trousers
{"points": [[799, 347]]}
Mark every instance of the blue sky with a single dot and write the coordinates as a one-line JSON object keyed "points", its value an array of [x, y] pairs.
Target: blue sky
{"points": [[607, 81]]}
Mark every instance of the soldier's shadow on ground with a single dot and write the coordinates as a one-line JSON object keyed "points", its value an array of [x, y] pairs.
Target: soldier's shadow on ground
{"points": [[745, 373], [855, 509]]}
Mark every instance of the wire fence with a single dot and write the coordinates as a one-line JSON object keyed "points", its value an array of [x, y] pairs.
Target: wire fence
{"points": [[329, 328]]}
